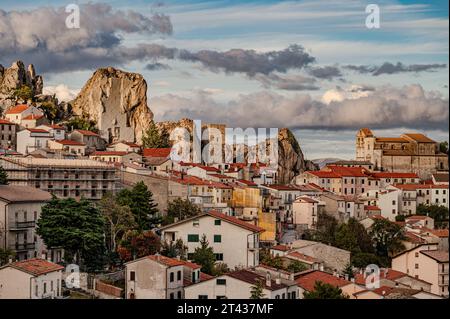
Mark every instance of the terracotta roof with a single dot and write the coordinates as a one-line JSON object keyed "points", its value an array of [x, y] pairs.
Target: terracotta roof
{"points": [[438, 255], [86, 133], [109, 153], [253, 278], [156, 152], [222, 176], [441, 177], [54, 126], [36, 130], [308, 280], [442, 233], [236, 221], [13, 193], [70, 142], [203, 277], [167, 261], [17, 109], [36, 266], [346, 171], [156, 160], [248, 183], [324, 174], [190, 264], [3, 121], [33, 117], [130, 144], [371, 207], [394, 175], [392, 139], [419, 138], [417, 217], [413, 238], [303, 257], [367, 132], [390, 274], [280, 247]]}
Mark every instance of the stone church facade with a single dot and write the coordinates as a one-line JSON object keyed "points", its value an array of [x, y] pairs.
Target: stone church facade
{"points": [[411, 152]]}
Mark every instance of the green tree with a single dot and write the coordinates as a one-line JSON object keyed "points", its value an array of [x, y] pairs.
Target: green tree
{"points": [[204, 256], [50, 110], [326, 229], [152, 138], [78, 227], [24, 93], [348, 270], [443, 147], [181, 209], [174, 249], [352, 236], [220, 269], [440, 214], [387, 237], [324, 291], [140, 200], [361, 260], [138, 244], [119, 219], [296, 266], [6, 255], [257, 290], [80, 123], [3, 176]]}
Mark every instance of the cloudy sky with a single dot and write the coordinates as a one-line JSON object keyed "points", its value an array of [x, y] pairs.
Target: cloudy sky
{"points": [[311, 65]]}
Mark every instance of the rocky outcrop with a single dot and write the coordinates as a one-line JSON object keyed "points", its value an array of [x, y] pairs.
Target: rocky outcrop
{"points": [[291, 161], [15, 77], [117, 102]]}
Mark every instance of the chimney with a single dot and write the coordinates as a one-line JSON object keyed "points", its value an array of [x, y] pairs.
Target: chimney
{"points": [[10, 261], [178, 257], [278, 281], [43, 256], [352, 280], [346, 277], [268, 279], [321, 267]]}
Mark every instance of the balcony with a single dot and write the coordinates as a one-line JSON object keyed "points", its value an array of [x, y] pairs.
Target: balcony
{"points": [[24, 246], [23, 225], [443, 282]]}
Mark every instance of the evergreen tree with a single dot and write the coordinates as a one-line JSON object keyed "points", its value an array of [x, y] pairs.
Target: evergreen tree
{"points": [[152, 138], [78, 227], [180, 209], [204, 256], [140, 201], [3, 176], [257, 291], [324, 291]]}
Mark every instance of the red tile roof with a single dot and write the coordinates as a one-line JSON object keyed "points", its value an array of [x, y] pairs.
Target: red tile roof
{"points": [[157, 152], [70, 142], [167, 261], [324, 174], [86, 133], [388, 274], [346, 171], [308, 280], [3, 121], [306, 199], [190, 264], [33, 117], [236, 221], [253, 278], [371, 207], [248, 183], [303, 257], [36, 266], [17, 109], [438, 255], [419, 138], [280, 247], [55, 126], [37, 130]]}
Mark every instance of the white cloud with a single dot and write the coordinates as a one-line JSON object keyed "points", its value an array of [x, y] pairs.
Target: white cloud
{"points": [[62, 92]]}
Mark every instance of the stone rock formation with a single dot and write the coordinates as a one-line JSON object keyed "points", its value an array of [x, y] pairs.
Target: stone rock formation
{"points": [[14, 78], [117, 102], [291, 161]]}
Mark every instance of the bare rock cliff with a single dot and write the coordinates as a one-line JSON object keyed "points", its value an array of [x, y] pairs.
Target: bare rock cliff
{"points": [[117, 102], [14, 78]]}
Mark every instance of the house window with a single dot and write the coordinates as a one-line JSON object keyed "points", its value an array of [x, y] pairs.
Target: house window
{"points": [[178, 275], [221, 282], [190, 256], [179, 294], [172, 295], [196, 223], [45, 287], [132, 276], [217, 238], [219, 257], [217, 222], [416, 266], [193, 238], [202, 296], [172, 277]]}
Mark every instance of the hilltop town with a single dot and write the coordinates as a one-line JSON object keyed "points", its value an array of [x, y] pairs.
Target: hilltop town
{"points": [[91, 185]]}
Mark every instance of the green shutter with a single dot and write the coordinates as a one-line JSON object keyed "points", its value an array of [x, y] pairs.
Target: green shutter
{"points": [[217, 238], [217, 222], [193, 238]]}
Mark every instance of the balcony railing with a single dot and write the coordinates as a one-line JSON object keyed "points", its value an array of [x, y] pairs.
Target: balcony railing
{"points": [[24, 246], [23, 225]]}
